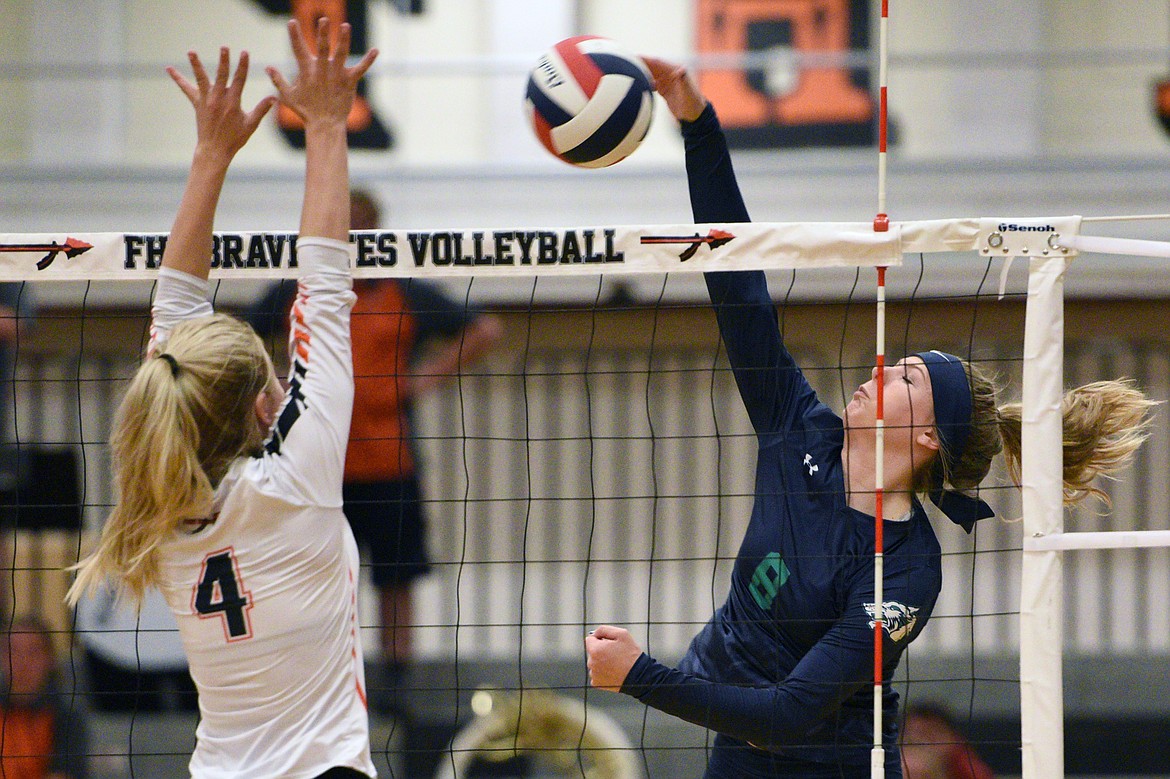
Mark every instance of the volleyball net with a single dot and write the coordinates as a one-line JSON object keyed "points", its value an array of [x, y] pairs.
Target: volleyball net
{"points": [[600, 473], [599, 468]]}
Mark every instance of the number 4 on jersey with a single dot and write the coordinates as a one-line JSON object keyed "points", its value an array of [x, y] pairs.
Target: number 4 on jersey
{"points": [[220, 592]]}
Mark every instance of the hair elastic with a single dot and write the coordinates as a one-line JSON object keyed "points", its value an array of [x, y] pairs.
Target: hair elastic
{"points": [[170, 360]]}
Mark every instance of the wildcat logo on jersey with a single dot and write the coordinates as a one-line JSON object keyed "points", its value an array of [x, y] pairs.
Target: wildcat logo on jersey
{"points": [[897, 618]]}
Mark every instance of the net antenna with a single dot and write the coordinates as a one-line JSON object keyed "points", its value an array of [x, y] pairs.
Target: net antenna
{"points": [[881, 224]]}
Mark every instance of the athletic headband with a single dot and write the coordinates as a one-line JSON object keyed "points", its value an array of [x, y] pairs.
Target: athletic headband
{"points": [[951, 392]]}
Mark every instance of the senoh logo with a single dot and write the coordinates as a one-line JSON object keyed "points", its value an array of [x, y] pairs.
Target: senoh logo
{"points": [[1012, 227]]}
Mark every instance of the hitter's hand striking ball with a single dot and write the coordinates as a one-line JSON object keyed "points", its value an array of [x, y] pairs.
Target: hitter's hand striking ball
{"points": [[590, 102]]}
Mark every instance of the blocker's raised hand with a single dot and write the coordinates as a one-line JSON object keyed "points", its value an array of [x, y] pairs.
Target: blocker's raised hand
{"points": [[324, 87], [222, 126]]}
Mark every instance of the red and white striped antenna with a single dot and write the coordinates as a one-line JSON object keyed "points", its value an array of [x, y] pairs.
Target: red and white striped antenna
{"points": [[881, 224]]}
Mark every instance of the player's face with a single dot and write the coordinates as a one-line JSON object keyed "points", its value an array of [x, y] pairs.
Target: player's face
{"points": [[908, 405]]}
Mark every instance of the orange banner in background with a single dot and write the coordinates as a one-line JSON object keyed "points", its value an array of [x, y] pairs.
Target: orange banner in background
{"points": [[785, 103], [366, 129]]}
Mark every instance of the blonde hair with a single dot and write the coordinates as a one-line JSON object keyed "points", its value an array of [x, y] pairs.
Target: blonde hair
{"points": [[188, 414], [1104, 424]]}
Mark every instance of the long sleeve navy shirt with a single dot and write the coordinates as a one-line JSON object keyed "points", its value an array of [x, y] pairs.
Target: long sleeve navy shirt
{"points": [[786, 664]]}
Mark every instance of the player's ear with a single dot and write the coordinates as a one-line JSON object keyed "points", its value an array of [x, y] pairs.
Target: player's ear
{"points": [[265, 409], [929, 438]]}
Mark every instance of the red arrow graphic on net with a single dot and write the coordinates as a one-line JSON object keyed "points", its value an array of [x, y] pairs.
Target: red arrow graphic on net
{"points": [[714, 238], [72, 247]]}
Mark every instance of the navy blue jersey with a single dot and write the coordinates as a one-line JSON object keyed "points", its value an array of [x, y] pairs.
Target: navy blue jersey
{"points": [[786, 663]]}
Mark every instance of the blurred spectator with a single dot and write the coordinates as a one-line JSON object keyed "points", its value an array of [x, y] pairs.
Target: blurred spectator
{"points": [[42, 728], [408, 337], [934, 748]]}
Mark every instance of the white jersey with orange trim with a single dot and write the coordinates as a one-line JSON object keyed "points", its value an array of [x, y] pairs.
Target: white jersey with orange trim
{"points": [[265, 593]]}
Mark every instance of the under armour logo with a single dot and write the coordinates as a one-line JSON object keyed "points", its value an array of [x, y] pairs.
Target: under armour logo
{"points": [[808, 463]]}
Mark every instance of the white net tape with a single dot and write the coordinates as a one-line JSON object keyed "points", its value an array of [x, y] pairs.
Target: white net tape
{"points": [[678, 248]]}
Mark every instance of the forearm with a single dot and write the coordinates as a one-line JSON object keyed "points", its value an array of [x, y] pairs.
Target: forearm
{"points": [[189, 244], [715, 195], [768, 717], [325, 212], [743, 305]]}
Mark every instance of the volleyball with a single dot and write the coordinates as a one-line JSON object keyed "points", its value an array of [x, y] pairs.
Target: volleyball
{"points": [[589, 101]]}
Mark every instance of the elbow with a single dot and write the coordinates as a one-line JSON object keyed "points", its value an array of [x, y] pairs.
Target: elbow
{"points": [[792, 723], [779, 735]]}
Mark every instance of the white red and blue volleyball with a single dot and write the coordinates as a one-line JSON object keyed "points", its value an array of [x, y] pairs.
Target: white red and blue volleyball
{"points": [[589, 101]]}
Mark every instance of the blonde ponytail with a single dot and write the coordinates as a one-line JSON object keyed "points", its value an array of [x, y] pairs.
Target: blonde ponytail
{"points": [[186, 417], [1104, 424]]}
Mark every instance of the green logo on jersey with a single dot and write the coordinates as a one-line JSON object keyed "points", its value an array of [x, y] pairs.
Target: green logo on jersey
{"points": [[769, 577]]}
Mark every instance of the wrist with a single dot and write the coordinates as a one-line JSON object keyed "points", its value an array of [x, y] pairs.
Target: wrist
{"points": [[211, 157], [693, 109], [635, 684], [326, 125], [705, 112], [706, 122]]}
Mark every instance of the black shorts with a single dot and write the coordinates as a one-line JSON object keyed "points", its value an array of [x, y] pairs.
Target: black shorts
{"points": [[342, 772], [387, 520]]}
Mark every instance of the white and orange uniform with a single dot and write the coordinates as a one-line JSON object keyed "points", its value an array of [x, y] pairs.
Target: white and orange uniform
{"points": [[265, 593]]}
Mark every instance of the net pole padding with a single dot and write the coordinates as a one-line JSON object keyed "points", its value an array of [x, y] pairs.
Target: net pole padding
{"points": [[1041, 588], [1108, 539]]}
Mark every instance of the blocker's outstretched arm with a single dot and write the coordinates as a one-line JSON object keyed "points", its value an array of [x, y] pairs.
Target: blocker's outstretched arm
{"points": [[222, 128], [322, 95]]}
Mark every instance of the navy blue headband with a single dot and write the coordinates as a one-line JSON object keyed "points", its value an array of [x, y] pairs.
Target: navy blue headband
{"points": [[952, 402], [951, 393]]}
